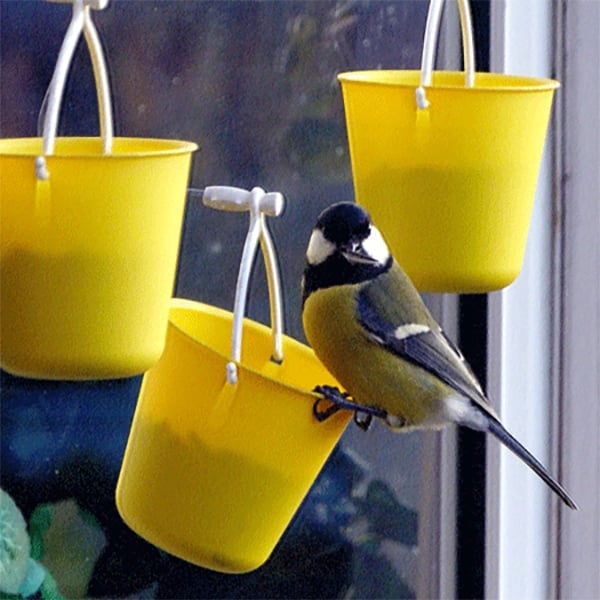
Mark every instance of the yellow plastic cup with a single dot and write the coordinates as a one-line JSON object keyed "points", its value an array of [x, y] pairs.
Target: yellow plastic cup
{"points": [[451, 186], [213, 472], [88, 256]]}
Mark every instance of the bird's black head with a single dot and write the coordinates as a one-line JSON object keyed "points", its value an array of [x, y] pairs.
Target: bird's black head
{"points": [[344, 248]]}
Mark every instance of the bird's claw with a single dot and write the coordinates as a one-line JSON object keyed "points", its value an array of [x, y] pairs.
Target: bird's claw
{"points": [[363, 415], [324, 414], [363, 422]]}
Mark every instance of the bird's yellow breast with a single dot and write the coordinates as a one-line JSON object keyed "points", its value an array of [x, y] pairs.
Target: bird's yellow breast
{"points": [[372, 375]]}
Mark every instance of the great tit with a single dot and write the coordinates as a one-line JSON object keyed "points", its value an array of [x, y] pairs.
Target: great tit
{"points": [[368, 325]]}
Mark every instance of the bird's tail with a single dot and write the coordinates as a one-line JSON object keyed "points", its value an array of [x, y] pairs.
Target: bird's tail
{"points": [[497, 430]]}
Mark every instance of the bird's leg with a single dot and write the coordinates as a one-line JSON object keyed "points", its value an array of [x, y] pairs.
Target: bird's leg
{"points": [[340, 401]]}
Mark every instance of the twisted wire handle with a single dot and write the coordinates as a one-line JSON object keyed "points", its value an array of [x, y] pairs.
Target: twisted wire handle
{"points": [[260, 204], [81, 22], [429, 45]]}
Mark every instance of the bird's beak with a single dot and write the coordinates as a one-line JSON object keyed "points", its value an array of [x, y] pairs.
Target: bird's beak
{"points": [[355, 253]]}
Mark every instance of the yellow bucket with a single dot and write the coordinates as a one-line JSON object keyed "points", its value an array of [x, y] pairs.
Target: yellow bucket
{"points": [[88, 256], [214, 472], [451, 182]]}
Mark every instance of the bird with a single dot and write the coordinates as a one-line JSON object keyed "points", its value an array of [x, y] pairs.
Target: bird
{"points": [[368, 325]]}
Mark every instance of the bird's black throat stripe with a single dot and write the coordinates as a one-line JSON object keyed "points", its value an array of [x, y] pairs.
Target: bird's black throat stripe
{"points": [[336, 270]]}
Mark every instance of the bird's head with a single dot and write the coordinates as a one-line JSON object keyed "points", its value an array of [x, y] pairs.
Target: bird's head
{"points": [[344, 248]]}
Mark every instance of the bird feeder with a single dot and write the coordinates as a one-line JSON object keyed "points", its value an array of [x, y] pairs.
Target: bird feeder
{"points": [[447, 163], [224, 444], [89, 237]]}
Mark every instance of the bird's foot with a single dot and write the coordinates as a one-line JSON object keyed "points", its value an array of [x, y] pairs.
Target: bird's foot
{"points": [[363, 415]]}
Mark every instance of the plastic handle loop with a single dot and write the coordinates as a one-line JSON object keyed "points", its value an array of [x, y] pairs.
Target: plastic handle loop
{"points": [[81, 22], [260, 204], [429, 45]]}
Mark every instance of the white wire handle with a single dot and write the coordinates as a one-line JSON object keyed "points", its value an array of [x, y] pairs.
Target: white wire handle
{"points": [[429, 45], [259, 204], [81, 22]]}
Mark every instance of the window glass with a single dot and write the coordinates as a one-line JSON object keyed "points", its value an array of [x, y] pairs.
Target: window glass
{"points": [[253, 83]]}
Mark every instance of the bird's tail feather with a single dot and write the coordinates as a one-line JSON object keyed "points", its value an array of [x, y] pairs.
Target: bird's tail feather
{"points": [[497, 430]]}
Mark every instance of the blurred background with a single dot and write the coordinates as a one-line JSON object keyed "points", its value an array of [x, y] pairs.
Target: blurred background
{"points": [[254, 85]]}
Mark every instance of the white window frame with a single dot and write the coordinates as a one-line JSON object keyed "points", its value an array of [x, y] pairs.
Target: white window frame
{"points": [[544, 357], [576, 537]]}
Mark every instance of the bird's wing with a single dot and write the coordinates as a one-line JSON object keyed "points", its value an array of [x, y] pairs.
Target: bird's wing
{"points": [[423, 344]]}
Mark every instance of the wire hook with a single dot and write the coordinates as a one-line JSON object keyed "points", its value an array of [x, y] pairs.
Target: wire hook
{"points": [[260, 204]]}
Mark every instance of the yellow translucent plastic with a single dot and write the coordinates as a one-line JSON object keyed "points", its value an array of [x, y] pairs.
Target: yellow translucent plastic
{"points": [[213, 472], [88, 256], [451, 186]]}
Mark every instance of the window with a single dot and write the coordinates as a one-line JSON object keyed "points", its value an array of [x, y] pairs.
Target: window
{"points": [[543, 350], [253, 83], [577, 549]]}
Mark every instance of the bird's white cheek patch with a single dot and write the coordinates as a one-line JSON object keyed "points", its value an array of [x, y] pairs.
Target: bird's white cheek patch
{"points": [[375, 246], [319, 248]]}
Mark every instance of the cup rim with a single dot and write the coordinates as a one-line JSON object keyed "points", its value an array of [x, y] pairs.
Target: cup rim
{"points": [[200, 307], [31, 147], [449, 80]]}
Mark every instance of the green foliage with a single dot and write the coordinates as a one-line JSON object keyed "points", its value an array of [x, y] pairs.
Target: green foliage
{"points": [[39, 523]]}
